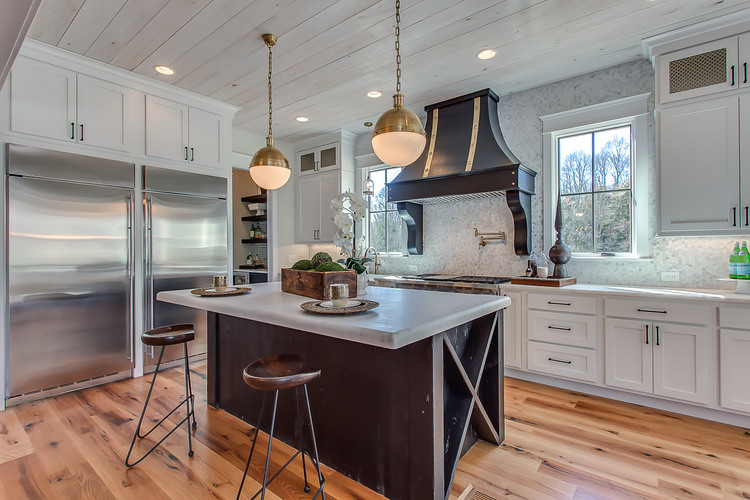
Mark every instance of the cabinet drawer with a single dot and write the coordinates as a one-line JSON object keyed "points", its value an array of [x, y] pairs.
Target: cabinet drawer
{"points": [[559, 328], [570, 362], [734, 317], [562, 302], [679, 312]]}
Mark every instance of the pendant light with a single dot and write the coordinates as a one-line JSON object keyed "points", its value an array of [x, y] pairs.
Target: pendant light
{"points": [[398, 138], [269, 167], [369, 187]]}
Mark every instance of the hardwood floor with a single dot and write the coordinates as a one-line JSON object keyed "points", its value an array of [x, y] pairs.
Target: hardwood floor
{"points": [[559, 444], [563, 444]]}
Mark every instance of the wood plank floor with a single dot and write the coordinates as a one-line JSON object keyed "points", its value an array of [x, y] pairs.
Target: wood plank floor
{"points": [[559, 444]]}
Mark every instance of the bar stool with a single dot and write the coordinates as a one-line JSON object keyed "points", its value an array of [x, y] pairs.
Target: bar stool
{"points": [[276, 373], [165, 336]]}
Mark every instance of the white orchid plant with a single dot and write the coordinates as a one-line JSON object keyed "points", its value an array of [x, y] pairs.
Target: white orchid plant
{"points": [[347, 209]]}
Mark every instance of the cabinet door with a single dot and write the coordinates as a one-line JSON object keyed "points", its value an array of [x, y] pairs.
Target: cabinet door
{"points": [[328, 189], [681, 362], [512, 341], [701, 70], [628, 361], [743, 72], [308, 209], [166, 129], [42, 100], [204, 137], [744, 203], [104, 113], [734, 347], [307, 162], [328, 157], [699, 168]]}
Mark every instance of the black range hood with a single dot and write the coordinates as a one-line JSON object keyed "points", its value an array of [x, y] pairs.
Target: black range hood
{"points": [[465, 158]]}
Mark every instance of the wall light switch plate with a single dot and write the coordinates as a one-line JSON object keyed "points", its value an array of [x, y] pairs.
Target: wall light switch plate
{"points": [[293, 259], [412, 269], [670, 276]]}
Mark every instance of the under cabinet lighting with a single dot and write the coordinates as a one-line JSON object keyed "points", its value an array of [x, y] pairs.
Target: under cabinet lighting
{"points": [[164, 70]]}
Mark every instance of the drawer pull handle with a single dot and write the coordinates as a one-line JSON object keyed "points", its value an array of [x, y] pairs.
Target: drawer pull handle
{"points": [[646, 334], [651, 311], [553, 327], [566, 361], [553, 303]]}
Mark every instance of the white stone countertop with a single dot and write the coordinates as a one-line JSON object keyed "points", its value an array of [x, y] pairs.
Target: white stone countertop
{"points": [[622, 291], [403, 316]]}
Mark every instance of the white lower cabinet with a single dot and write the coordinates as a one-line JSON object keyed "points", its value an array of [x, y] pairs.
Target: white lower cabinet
{"points": [[734, 355], [665, 359], [512, 338], [562, 335]]}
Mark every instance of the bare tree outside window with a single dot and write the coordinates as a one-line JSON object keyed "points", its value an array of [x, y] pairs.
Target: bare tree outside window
{"points": [[594, 181], [384, 221]]}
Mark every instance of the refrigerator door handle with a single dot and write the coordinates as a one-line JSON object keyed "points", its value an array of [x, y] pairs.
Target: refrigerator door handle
{"points": [[149, 266], [131, 276]]}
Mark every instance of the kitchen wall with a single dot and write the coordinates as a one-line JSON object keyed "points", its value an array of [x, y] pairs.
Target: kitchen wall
{"points": [[449, 242]]}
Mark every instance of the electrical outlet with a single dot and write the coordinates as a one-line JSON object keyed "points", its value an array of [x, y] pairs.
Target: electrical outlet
{"points": [[670, 276], [412, 269], [293, 259]]}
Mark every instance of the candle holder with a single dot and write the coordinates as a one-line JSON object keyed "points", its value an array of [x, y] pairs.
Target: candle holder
{"points": [[559, 253]]}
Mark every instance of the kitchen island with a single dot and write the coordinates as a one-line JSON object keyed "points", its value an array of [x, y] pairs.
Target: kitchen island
{"points": [[405, 390]]}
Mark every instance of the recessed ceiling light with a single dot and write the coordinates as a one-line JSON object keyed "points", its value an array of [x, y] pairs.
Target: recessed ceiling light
{"points": [[301, 118], [164, 70], [374, 94], [486, 54]]}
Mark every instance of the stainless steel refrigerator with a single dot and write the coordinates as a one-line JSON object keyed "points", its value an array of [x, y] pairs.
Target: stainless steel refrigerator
{"points": [[185, 245], [70, 268]]}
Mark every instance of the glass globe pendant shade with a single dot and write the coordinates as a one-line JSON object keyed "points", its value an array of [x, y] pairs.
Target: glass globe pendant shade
{"points": [[398, 138], [269, 167]]}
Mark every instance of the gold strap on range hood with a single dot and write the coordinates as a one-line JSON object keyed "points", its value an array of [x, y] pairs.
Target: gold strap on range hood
{"points": [[474, 133], [431, 151]]}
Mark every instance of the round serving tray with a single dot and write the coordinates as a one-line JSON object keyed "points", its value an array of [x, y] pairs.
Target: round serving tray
{"points": [[315, 307], [211, 292]]}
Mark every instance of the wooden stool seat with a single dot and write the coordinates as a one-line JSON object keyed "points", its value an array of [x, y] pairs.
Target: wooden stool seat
{"points": [[278, 372], [169, 335]]}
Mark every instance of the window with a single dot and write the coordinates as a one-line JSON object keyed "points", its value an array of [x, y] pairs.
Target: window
{"points": [[594, 172], [384, 222], [596, 158]]}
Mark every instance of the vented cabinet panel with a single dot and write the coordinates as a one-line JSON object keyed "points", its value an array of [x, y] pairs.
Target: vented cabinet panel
{"points": [[696, 71], [700, 70]]}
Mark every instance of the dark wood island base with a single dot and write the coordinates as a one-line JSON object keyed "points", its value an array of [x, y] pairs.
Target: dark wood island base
{"points": [[395, 420]]}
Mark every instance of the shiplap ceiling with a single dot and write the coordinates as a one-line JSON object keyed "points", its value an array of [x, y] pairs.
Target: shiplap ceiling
{"points": [[331, 52]]}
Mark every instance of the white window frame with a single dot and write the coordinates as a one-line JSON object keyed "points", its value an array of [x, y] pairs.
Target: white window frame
{"points": [[631, 111], [364, 173]]}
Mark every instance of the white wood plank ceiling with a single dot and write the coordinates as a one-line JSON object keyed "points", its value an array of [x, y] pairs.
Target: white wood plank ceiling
{"points": [[331, 52]]}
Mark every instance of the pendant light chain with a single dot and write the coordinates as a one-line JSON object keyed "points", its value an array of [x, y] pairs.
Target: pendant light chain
{"points": [[270, 101], [398, 47]]}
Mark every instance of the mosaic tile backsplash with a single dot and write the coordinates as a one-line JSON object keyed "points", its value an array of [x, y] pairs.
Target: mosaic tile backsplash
{"points": [[449, 242]]}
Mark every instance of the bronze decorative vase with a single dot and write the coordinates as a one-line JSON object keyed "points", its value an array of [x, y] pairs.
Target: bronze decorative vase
{"points": [[559, 253]]}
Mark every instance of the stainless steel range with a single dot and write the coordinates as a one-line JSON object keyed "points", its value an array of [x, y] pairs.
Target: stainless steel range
{"points": [[450, 283]]}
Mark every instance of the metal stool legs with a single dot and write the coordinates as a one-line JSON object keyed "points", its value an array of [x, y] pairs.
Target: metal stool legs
{"points": [[189, 402], [301, 451]]}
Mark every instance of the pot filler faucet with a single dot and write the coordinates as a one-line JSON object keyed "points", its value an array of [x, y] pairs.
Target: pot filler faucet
{"points": [[377, 259]]}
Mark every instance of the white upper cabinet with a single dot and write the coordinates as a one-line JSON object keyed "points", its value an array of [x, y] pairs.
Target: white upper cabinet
{"points": [[319, 159], [699, 168], [175, 131], [696, 71], [56, 103]]}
